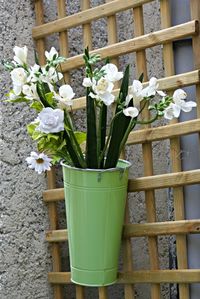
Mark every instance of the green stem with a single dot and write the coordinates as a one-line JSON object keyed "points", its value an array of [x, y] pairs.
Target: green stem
{"points": [[146, 122], [128, 130]]}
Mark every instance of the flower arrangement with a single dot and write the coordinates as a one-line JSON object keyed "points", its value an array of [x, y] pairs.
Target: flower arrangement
{"points": [[53, 128]]}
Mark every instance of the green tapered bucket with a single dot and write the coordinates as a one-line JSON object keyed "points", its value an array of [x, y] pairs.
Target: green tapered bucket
{"points": [[95, 203]]}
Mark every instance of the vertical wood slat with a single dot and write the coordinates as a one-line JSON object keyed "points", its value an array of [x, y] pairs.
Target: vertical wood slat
{"points": [[63, 36], [147, 155], [195, 13], [40, 43], [52, 208], [127, 248], [181, 242], [53, 221]]}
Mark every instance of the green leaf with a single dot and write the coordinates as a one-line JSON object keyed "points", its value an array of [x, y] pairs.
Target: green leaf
{"points": [[50, 99], [37, 106], [80, 137], [120, 125], [52, 136], [141, 78], [91, 142]]}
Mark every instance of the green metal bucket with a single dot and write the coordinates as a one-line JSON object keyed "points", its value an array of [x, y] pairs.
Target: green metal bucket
{"points": [[95, 203]]}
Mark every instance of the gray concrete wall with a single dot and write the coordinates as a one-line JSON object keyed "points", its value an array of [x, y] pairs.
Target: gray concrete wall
{"points": [[24, 253]]}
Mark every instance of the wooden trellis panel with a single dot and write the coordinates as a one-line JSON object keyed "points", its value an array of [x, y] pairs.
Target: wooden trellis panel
{"points": [[149, 182]]}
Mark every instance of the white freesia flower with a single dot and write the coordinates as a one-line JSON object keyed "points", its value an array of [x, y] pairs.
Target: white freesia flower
{"points": [[34, 73], [131, 111], [19, 78], [39, 162], [103, 89], [179, 104], [50, 55], [112, 73], [20, 55], [152, 88], [30, 92], [51, 120], [51, 76], [172, 111], [87, 82], [65, 95], [135, 93]]}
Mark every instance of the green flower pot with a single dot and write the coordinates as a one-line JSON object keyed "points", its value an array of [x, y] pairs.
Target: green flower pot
{"points": [[95, 203]]}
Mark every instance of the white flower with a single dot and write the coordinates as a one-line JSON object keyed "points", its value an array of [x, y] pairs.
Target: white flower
{"points": [[179, 104], [65, 96], [135, 93], [51, 120], [103, 89], [52, 54], [39, 162], [34, 73], [172, 111], [19, 78], [87, 82], [179, 96], [131, 111], [20, 55], [50, 76], [152, 89], [112, 73], [30, 92]]}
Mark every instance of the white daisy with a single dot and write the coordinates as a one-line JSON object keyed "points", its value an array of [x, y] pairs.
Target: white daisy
{"points": [[39, 162]]}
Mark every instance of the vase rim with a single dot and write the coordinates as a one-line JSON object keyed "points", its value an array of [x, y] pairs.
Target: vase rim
{"points": [[127, 165]]}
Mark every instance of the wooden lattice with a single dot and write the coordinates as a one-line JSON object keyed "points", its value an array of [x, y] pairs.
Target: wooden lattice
{"points": [[150, 182]]}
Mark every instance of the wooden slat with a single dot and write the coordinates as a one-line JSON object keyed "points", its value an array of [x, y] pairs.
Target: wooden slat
{"points": [[147, 155], [165, 132], [63, 36], [161, 276], [39, 17], [168, 83], [85, 17], [162, 228], [137, 43], [181, 243], [53, 223], [152, 276], [195, 13], [141, 230], [144, 183], [165, 181], [52, 209]]}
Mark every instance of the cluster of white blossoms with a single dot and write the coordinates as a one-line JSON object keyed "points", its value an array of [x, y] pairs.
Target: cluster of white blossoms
{"points": [[27, 79], [102, 88]]}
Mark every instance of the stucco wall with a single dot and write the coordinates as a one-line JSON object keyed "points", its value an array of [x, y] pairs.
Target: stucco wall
{"points": [[24, 253]]}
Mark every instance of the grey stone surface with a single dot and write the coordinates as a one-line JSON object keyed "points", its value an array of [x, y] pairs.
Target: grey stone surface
{"points": [[25, 256]]}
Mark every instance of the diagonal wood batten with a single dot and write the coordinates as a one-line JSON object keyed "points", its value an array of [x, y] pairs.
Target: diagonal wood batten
{"points": [[149, 182]]}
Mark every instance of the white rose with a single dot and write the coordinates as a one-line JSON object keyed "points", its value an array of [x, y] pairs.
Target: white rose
{"points": [[51, 120], [20, 55], [19, 78]]}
